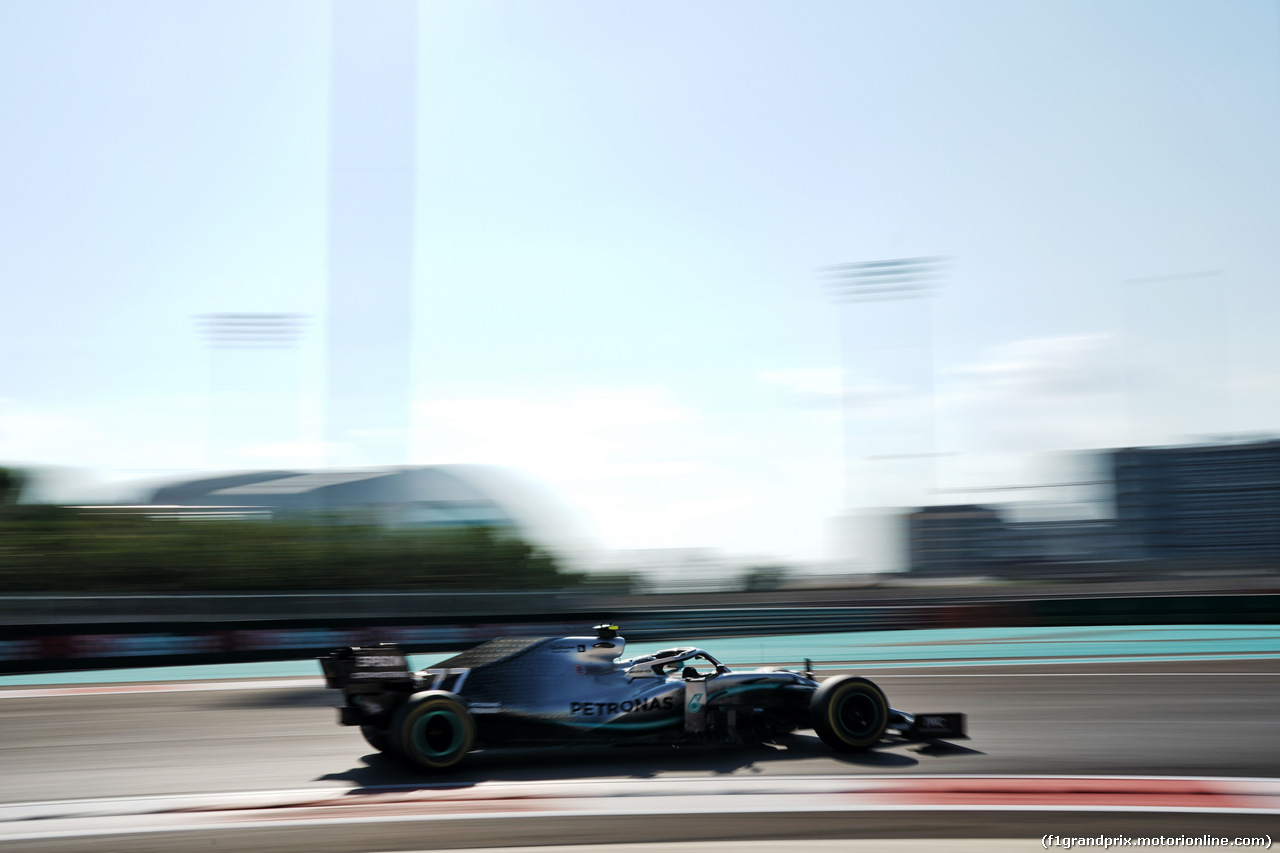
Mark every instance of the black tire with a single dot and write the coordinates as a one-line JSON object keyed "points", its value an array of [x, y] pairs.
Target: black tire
{"points": [[433, 731], [849, 713], [378, 738]]}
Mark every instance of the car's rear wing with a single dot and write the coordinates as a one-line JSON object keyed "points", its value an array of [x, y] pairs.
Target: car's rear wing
{"points": [[374, 680], [381, 667]]}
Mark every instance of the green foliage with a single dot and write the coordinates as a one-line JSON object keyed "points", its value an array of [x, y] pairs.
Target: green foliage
{"points": [[611, 583], [11, 482], [56, 549], [763, 578]]}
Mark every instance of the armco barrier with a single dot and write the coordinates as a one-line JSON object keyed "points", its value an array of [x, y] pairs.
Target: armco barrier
{"points": [[1157, 610], [86, 609], [99, 645]]}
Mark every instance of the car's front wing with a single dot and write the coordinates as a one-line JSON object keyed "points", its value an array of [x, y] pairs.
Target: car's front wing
{"points": [[940, 726]]}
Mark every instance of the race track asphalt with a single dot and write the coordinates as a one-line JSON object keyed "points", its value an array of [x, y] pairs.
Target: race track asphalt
{"points": [[1181, 718]]}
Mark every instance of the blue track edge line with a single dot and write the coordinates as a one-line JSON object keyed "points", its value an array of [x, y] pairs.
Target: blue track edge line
{"points": [[951, 647]]}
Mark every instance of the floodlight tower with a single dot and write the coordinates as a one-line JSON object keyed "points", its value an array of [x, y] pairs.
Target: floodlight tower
{"points": [[240, 390], [880, 281], [251, 331]]}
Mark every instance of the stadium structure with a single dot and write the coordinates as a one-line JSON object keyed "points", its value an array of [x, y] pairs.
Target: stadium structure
{"points": [[437, 496]]}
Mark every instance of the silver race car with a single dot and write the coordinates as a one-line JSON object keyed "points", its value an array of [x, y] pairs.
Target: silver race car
{"points": [[559, 690]]}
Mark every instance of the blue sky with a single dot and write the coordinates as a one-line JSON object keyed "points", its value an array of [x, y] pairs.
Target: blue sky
{"points": [[621, 210]]}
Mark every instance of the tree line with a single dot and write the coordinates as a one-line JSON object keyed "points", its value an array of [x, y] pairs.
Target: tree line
{"points": [[70, 550]]}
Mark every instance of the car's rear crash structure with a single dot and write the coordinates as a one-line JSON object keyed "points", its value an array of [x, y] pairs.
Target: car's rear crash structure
{"points": [[559, 690]]}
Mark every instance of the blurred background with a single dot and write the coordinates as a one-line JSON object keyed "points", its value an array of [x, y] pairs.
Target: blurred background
{"points": [[733, 297]]}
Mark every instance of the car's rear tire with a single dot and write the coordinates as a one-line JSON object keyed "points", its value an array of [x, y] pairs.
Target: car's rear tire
{"points": [[849, 713], [433, 730]]}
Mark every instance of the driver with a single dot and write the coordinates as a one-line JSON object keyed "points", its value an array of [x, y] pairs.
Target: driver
{"points": [[602, 655]]}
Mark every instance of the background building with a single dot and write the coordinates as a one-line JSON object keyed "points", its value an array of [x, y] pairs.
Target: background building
{"points": [[1203, 506], [411, 496], [1073, 541], [964, 539], [1218, 500]]}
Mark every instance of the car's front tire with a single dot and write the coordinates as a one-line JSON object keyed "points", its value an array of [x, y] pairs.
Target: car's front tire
{"points": [[433, 730], [849, 713]]}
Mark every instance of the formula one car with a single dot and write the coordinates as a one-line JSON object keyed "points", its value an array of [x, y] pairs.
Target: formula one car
{"points": [[527, 692]]}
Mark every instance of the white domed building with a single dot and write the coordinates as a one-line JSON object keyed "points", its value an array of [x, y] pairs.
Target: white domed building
{"points": [[439, 496]]}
